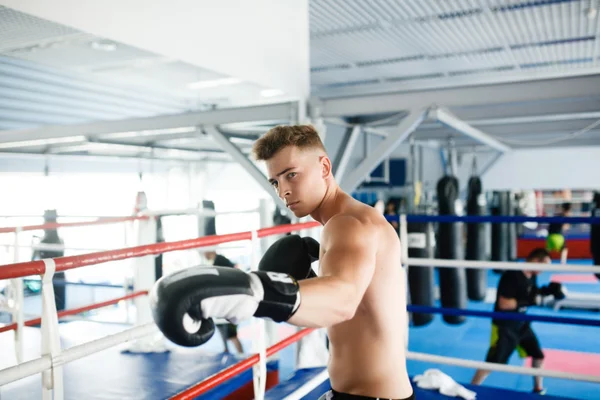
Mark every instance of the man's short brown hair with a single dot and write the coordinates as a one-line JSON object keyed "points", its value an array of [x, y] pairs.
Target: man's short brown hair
{"points": [[538, 254], [302, 136]]}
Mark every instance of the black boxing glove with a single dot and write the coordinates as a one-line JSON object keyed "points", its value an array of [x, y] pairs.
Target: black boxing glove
{"points": [[219, 292], [291, 255], [554, 289]]}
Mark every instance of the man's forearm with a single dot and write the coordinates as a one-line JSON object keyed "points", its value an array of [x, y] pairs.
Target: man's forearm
{"points": [[324, 302]]}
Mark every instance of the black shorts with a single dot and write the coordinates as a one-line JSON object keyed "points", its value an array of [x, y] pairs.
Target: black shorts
{"points": [[505, 340], [229, 331], [333, 395]]}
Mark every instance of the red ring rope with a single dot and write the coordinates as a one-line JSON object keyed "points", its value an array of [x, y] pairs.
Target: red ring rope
{"points": [[74, 311], [228, 373], [55, 225], [23, 269]]}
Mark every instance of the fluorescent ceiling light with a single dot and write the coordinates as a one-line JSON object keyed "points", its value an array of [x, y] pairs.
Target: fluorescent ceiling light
{"points": [[214, 83], [104, 45], [271, 92], [138, 134]]}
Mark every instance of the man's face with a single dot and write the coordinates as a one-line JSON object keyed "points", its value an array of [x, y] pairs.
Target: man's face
{"points": [[298, 176], [545, 260]]}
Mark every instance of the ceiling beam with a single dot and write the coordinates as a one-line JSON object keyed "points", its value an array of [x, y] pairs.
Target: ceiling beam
{"points": [[447, 118], [526, 91], [346, 148], [385, 148], [269, 112], [247, 165]]}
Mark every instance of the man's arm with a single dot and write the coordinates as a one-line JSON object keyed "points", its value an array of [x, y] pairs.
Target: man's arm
{"points": [[505, 303], [346, 271], [507, 292]]}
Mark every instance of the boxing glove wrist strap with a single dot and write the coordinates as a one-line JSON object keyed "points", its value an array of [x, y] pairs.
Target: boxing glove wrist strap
{"points": [[281, 296]]}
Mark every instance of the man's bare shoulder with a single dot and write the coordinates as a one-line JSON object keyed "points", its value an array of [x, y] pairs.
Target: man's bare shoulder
{"points": [[346, 225]]}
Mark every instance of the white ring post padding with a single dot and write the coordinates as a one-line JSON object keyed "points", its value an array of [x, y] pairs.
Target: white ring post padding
{"points": [[36, 366], [404, 239], [501, 367], [519, 266], [308, 387], [19, 301], [144, 279], [52, 379], [405, 265], [259, 344]]}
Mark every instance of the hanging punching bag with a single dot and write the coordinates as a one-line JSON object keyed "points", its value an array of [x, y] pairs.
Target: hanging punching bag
{"points": [[206, 223], [453, 291], [595, 232], [160, 238], [511, 246], [475, 250], [420, 279], [499, 230], [51, 237]]}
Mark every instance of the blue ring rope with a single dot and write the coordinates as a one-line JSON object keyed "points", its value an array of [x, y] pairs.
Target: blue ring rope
{"points": [[515, 316], [494, 219]]}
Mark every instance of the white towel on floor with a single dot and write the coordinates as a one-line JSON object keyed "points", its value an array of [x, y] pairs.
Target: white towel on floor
{"points": [[436, 379]]}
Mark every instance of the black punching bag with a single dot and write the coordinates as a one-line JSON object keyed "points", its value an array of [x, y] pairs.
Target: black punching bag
{"points": [[51, 237], [208, 227], [475, 250], [511, 246], [499, 230], [420, 279], [160, 238], [453, 291]]}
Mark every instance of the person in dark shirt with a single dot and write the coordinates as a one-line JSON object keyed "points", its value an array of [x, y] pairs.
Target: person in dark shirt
{"points": [[517, 290], [228, 331], [556, 240]]}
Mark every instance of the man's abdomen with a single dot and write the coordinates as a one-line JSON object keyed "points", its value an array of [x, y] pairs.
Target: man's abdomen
{"points": [[364, 362]]}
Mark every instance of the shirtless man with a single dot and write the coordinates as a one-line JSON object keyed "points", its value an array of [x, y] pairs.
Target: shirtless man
{"points": [[359, 295]]}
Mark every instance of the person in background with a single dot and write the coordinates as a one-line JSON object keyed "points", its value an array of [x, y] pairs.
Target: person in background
{"points": [[228, 330], [517, 290], [556, 239], [391, 208]]}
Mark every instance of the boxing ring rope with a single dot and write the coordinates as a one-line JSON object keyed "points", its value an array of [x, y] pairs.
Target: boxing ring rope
{"points": [[459, 362], [238, 368], [53, 357], [56, 225], [74, 311], [492, 219], [505, 265], [16, 284]]}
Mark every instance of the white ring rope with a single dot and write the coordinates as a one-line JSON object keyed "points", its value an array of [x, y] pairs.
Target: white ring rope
{"points": [[32, 367], [194, 211], [519, 266], [501, 368]]}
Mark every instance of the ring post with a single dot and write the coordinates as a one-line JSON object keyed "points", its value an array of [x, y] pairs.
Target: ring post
{"points": [[266, 220], [259, 344], [404, 239], [144, 279], [17, 303], [52, 379]]}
